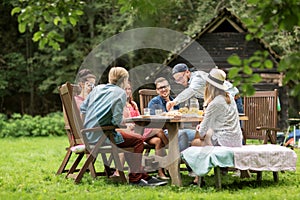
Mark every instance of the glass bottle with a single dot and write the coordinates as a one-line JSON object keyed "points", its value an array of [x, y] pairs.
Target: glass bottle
{"points": [[194, 106]]}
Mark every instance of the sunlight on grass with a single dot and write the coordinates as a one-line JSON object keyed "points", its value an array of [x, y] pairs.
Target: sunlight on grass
{"points": [[28, 167]]}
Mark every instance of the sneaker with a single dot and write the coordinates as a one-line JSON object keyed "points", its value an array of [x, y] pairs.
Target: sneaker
{"points": [[142, 183], [156, 182]]}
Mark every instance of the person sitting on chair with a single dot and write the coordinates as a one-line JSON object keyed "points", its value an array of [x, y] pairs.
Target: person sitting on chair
{"points": [[163, 89], [86, 82], [104, 107], [151, 136]]}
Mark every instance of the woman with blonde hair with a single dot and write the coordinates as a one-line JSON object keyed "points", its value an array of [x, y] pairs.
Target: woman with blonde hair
{"points": [[151, 136], [220, 125]]}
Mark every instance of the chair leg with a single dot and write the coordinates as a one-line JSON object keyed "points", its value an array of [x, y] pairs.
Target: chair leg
{"points": [[64, 163], [86, 165], [75, 164], [118, 165], [106, 164], [92, 169], [147, 152]]}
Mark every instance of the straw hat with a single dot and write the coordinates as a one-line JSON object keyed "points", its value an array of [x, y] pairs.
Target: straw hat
{"points": [[216, 77]]}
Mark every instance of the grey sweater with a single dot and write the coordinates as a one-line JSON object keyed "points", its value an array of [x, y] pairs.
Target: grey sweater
{"points": [[196, 87], [223, 119]]}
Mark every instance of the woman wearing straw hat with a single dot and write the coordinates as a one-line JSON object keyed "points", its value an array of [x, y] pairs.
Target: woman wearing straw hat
{"points": [[220, 125]]}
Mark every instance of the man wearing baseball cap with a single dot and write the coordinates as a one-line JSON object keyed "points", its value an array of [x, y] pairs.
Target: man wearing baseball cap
{"points": [[194, 81]]}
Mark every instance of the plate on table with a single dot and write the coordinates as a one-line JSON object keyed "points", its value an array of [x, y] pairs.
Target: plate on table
{"points": [[146, 116], [156, 117], [192, 115]]}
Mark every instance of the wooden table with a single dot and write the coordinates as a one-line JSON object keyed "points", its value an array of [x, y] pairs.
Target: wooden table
{"points": [[172, 124]]}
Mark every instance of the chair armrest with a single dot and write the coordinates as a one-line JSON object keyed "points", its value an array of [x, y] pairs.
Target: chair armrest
{"points": [[102, 128], [267, 128]]}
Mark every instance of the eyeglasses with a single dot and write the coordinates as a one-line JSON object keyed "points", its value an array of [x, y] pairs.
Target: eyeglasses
{"points": [[180, 79], [162, 87]]}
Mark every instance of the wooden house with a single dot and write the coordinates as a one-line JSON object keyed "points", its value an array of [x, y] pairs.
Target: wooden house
{"points": [[222, 37]]}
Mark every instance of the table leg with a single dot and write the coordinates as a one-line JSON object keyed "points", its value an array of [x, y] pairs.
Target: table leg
{"points": [[173, 157]]}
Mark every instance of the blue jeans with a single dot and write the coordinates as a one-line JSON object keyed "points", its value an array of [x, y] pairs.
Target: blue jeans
{"points": [[239, 104], [183, 140], [240, 107], [190, 133]]}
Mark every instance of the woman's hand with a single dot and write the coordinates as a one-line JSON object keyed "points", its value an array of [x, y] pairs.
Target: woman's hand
{"points": [[198, 127], [197, 131]]}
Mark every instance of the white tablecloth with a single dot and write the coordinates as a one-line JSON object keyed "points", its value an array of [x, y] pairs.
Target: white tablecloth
{"points": [[266, 157]]}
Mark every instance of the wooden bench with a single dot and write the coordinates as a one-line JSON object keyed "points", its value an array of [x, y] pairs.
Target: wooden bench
{"points": [[259, 158]]}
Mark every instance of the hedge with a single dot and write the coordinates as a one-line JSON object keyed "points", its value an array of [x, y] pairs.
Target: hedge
{"points": [[28, 126]]}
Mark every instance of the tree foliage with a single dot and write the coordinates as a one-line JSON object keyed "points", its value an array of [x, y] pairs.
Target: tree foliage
{"points": [[277, 22], [54, 37], [48, 20]]}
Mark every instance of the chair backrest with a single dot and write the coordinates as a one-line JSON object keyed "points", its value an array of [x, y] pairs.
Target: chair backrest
{"points": [[145, 96], [261, 109], [75, 121], [71, 112]]}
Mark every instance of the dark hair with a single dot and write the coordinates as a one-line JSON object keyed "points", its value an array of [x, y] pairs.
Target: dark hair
{"points": [[84, 74], [159, 80]]}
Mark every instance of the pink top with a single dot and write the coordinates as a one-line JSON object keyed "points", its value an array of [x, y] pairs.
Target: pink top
{"points": [[79, 100], [134, 112]]}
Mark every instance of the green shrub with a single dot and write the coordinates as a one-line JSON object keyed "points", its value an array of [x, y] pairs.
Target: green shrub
{"points": [[25, 125]]}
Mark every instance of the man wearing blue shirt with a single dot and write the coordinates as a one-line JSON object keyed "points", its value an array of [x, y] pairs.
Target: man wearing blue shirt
{"points": [[159, 102], [103, 107]]}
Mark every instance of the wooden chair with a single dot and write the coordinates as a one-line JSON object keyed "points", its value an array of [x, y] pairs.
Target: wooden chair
{"points": [[91, 151], [74, 139], [261, 108], [145, 95]]}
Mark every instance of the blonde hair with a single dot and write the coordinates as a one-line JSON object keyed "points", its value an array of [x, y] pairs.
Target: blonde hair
{"points": [[117, 75], [211, 92]]}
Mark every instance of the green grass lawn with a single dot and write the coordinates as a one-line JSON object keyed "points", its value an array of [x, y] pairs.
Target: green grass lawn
{"points": [[28, 167]]}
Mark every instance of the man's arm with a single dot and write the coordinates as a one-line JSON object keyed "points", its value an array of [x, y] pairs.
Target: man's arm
{"points": [[117, 109], [185, 95], [195, 89]]}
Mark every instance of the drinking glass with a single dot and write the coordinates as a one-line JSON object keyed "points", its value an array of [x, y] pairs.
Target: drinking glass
{"points": [[146, 111], [158, 111]]}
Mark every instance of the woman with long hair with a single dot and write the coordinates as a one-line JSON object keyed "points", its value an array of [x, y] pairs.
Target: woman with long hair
{"points": [[220, 125], [151, 136]]}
